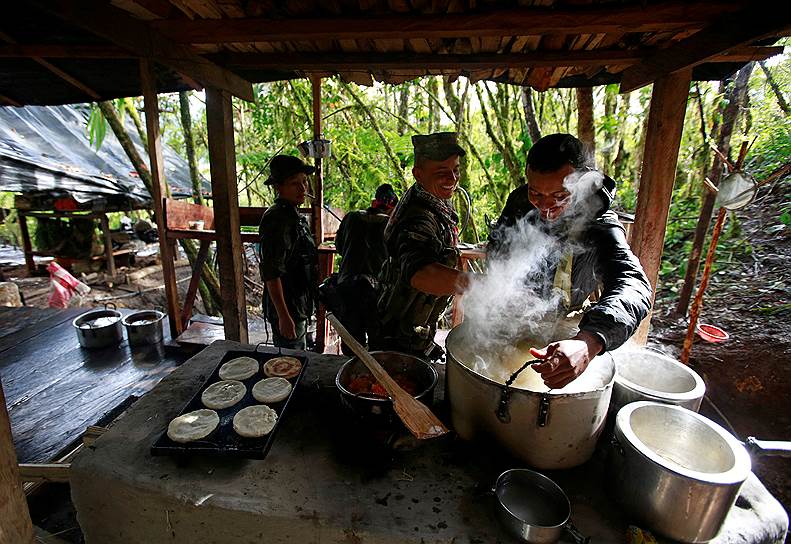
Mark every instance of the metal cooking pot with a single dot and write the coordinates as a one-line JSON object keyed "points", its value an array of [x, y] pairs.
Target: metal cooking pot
{"points": [[144, 327], [645, 374], [379, 411], [674, 470], [547, 429], [99, 328], [533, 507]]}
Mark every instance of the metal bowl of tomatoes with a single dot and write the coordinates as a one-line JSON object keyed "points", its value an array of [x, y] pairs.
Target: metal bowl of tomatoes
{"points": [[366, 399]]}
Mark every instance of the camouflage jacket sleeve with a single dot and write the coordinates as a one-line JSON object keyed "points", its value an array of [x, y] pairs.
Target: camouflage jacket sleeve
{"points": [[417, 243]]}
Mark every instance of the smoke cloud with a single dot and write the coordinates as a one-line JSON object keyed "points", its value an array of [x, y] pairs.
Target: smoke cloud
{"points": [[515, 299]]}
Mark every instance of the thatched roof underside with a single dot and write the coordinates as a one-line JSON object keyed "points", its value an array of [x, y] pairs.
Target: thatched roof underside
{"points": [[540, 43]]}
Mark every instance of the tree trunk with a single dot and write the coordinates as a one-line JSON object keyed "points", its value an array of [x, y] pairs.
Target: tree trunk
{"points": [[610, 145], [403, 108], [733, 99], [207, 274], [399, 171], [433, 109], [781, 101], [129, 106], [530, 115], [585, 128], [189, 144]]}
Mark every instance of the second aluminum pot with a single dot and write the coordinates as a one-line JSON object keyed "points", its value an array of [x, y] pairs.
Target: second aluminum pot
{"points": [[675, 471]]}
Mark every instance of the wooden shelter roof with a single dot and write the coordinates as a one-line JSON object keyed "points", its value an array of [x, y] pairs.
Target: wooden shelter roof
{"points": [[60, 51]]}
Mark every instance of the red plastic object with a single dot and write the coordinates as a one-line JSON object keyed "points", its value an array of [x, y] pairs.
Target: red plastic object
{"points": [[710, 333]]}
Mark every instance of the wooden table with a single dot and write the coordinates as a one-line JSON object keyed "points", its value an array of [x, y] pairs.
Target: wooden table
{"points": [[328, 480], [54, 388]]}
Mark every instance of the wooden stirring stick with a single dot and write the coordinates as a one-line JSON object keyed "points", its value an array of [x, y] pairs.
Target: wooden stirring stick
{"points": [[416, 416]]}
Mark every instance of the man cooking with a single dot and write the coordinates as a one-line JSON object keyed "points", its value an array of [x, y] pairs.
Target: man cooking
{"points": [[419, 277], [596, 254]]}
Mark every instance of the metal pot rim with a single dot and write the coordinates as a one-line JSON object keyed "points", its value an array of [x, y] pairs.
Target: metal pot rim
{"points": [[95, 314], [697, 392], [518, 390], [548, 481], [736, 474], [155, 314], [342, 389]]}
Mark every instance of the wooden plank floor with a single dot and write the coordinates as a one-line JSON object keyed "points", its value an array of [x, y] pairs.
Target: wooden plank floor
{"points": [[54, 388]]}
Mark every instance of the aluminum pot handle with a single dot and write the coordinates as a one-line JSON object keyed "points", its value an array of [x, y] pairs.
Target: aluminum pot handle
{"points": [[107, 305], [769, 448]]}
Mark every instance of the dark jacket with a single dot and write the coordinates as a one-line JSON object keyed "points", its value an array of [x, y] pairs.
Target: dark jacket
{"points": [[605, 259], [360, 242], [288, 252]]}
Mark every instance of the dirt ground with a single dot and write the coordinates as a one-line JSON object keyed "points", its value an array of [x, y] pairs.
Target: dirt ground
{"points": [[748, 379]]}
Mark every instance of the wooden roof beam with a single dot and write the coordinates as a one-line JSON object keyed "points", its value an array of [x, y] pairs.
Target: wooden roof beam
{"points": [[310, 62], [503, 22], [118, 27], [55, 70], [729, 32]]}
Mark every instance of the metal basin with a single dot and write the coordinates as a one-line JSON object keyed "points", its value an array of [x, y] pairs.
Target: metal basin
{"points": [[643, 374], [674, 470], [99, 328]]}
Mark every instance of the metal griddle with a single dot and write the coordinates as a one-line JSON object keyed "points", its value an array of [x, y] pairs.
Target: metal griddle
{"points": [[223, 441]]}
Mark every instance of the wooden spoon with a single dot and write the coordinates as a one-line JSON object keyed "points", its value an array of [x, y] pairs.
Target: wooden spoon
{"points": [[415, 415]]}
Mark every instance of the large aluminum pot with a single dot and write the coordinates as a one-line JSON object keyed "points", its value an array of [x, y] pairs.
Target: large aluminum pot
{"points": [[99, 328], [547, 429], [675, 471], [644, 374], [144, 327]]}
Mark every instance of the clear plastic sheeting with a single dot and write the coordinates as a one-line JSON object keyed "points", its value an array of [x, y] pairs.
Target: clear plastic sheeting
{"points": [[46, 149]]}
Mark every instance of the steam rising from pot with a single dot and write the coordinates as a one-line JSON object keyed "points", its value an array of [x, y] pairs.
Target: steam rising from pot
{"points": [[515, 299]]}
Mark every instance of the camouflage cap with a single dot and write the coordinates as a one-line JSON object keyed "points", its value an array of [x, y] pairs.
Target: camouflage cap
{"points": [[437, 147]]}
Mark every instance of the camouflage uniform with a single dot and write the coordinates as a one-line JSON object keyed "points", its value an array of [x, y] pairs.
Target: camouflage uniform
{"points": [[289, 253], [422, 231]]}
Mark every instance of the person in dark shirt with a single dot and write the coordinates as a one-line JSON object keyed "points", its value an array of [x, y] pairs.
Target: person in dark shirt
{"points": [[595, 254], [289, 260], [360, 242]]}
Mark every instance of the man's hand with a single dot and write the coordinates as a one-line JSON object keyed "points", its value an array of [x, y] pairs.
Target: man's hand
{"points": [[286, 326], [564, 361]]}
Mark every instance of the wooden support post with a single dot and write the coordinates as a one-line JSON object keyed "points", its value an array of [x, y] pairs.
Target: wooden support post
{"points": [[108, 245], [14, 515], [192, 290], [318, 191], [663, 136], [222, 156], [27, 247], [159, 191], [318, 210]]}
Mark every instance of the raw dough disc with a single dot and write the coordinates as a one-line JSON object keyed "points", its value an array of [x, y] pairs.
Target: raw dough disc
{"points": [[283, 367], [254, 421], [193, 425], [271, 390], [223, 394], [240, 368]]}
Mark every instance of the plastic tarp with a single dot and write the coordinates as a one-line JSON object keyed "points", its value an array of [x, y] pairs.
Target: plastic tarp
{"points": [[46, 149]]}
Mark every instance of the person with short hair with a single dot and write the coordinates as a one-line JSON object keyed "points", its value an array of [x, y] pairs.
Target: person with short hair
{"points": [[289, 260], [360, 242], [595, 254], [420, 278]]}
